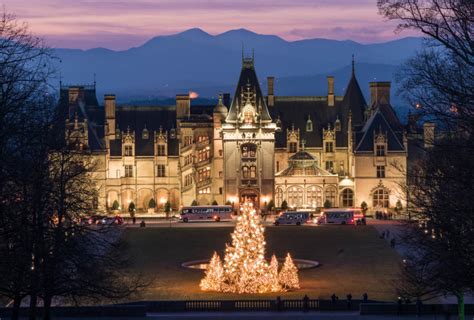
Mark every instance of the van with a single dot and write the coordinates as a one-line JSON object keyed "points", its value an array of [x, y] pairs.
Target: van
{"points": [[293, 218]]}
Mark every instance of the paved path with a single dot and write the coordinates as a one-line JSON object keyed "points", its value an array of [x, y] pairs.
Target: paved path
{"points": [[287, 315]]}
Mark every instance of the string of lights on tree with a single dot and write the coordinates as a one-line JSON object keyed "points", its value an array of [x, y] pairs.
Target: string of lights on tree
{"points": [[244, 268]]}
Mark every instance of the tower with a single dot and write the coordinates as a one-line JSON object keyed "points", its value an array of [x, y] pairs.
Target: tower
{"points": [[248, 134]]}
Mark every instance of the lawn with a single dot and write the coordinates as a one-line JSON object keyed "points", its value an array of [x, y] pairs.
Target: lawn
{"points": [[353, 260]]}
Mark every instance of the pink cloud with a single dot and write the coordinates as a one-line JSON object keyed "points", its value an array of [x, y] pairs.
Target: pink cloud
{"points": [[120, 24]]}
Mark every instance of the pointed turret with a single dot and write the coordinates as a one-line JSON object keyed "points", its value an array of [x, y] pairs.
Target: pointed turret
{"points": [[354, 100], [248, 95]]}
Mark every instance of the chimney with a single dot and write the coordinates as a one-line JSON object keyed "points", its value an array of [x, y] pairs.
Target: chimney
{"points": [[428, 134], [271, 98], [379, 92], [183, 106], [109, 105], [331, 91]]}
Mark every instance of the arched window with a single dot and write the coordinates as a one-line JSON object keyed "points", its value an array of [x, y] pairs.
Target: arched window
{"points": [[295, 197], [253, 172], [279, 197], [314, 197], [331, 195], [309, 125], [380, 198], [347, 198], [245, 172]]}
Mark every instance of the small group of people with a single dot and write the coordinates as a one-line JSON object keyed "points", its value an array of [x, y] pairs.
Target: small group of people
{"points": [[383, 215], [386, 235]]}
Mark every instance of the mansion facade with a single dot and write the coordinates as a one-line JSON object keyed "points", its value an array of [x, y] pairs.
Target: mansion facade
{"points": [[306, 150]]}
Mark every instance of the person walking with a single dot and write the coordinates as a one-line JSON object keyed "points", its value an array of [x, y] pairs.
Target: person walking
{"points": [[392, 243], [349, 301], [365, 297], [305, 303], [399, 306]]}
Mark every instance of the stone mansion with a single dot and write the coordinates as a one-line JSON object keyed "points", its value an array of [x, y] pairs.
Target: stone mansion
{"points": [[306, 150]]}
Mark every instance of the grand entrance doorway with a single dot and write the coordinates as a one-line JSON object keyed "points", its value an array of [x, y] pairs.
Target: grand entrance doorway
{"points": [[250, 195]]}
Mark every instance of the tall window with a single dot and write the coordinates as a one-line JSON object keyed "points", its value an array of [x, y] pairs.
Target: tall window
{"points": [[329, 146], [161, 150], [128, 171], [188, 179], [245, 172], [204, 174], [188, 140], [380, 150], [347, 198], [330, 166], [293, 147], [331, 196], [314, 197], [380, 198], [204, 154], [253, 171], [279, 196], [380, 171], [295, 197], [160, 170], [248, 115], [188, 159], [128, 150]]}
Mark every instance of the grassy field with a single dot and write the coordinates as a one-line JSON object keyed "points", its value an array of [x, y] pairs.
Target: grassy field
{"points": [[353, 260]]}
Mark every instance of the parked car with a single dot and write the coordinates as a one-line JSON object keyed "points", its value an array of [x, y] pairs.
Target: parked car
{"points": [[293, 218]]}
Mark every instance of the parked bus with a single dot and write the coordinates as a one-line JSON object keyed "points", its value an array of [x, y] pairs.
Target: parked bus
{"points": [[293, 218], [342, 216], [206, 213]]}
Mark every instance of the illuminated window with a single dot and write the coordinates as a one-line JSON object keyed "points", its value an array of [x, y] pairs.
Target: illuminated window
{"points": [[248, 116], [314, 197], [337, 125], [279, 196], [309, 126], [380, 198], [204, 154], [145, 134], [188, 140], [253, 172], [295, 197], [331, 196], [380, 171], [204, 174], [347, 198]]}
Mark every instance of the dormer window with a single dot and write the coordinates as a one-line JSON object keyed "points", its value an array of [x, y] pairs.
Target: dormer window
{"points": [[380, 150], [337, 125], [309, 125], [173, 133], [161, 150], [128, 150], [145, 134], [117, 133]]}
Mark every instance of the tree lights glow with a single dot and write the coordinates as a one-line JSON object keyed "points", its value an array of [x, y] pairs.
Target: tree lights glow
{"points": [[245, 269]]}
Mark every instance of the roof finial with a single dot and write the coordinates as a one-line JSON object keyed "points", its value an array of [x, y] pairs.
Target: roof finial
{"points": [[353, 65], [303, 142]]}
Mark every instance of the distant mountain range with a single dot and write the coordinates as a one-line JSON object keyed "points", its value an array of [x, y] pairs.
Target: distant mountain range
{"points": [[195, 60]]}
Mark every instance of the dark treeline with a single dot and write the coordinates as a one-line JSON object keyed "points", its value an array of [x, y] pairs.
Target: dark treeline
{"points": [[47, 254], [439, 82]]}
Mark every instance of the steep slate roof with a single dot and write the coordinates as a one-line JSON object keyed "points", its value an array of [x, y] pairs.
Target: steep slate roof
{"points": [[296, 111], [248, 78], [354, 100], [376, 124], [137, 118]]}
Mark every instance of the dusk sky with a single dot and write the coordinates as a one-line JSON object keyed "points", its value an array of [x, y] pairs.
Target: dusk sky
{"points": [[121, 24]]}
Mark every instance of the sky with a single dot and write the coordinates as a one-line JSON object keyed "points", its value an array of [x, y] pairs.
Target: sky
{"points": [[121, 24]]}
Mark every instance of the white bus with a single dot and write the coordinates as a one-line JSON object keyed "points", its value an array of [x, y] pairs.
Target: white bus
{"points": [[206, 213], [293, 218], [342, 216]]}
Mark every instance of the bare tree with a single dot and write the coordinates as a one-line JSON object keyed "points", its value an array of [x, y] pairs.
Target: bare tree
{"points": [[439, 82]]}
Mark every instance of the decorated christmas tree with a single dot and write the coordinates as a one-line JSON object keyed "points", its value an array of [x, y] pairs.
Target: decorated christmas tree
{"points": [[244, 263], [288, 276], [214, 277], [273, 275], [245, 269]]}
